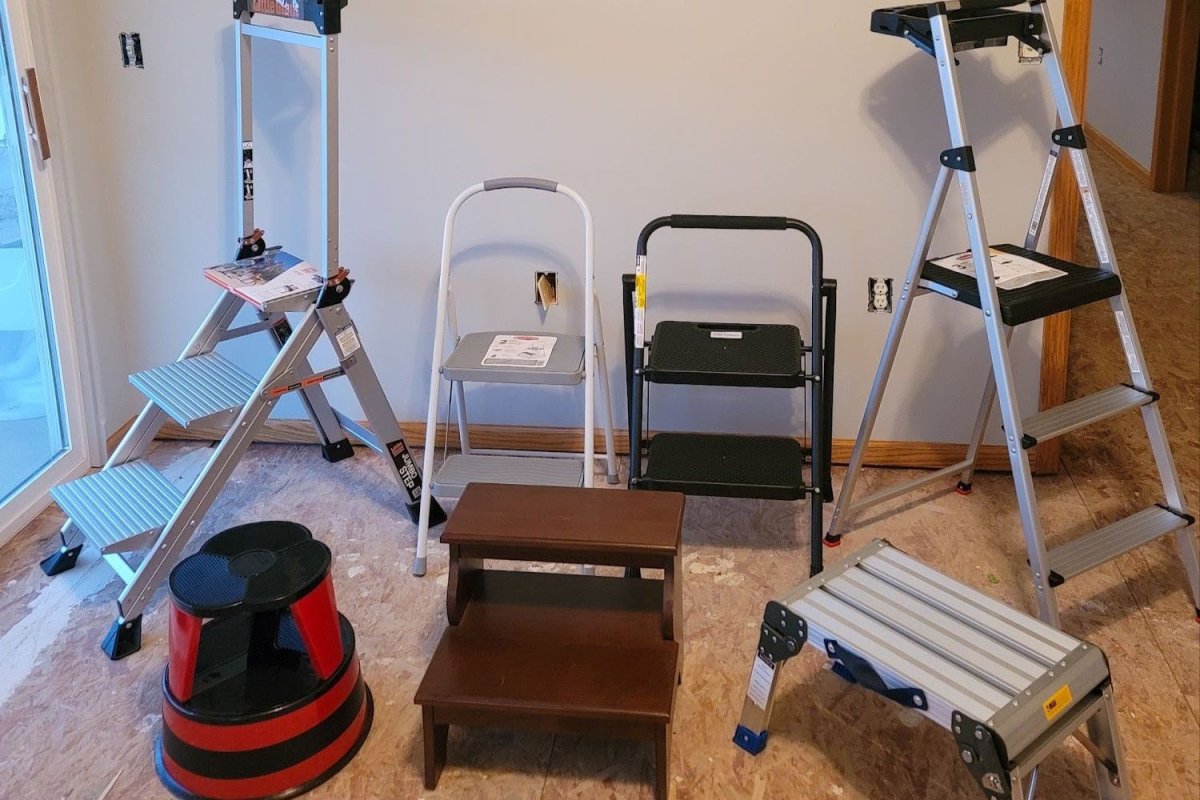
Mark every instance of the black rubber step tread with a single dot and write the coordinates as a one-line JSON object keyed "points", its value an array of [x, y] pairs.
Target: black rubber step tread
{"points": [[968, 29], [726, 354], [1079, 287], [719, 465]]}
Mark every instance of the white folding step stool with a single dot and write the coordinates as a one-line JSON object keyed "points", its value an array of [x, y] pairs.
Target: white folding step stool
{"points": [[945, 31], [129, 511], [572, 359], [1008, 687]]}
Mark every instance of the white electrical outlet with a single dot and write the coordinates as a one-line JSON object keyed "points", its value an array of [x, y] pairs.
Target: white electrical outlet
{"points": [[879, 295]]}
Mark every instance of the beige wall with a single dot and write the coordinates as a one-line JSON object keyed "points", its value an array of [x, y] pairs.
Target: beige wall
{"points": [[1122, 98], [769, 107]]}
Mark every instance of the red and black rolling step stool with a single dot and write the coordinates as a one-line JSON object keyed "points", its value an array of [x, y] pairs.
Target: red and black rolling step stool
{"points": [[266, 698]]}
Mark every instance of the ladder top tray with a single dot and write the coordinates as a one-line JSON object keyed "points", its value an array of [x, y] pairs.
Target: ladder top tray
{"points": [[545, 520], [968, 29], [716, 465], [539, 645], [968, 653], [726, 354], [1079, 287], [564, 366]]}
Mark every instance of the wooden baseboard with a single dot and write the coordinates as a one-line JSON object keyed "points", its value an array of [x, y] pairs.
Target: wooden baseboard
{"points": [[1112, 149], [919, 455]]}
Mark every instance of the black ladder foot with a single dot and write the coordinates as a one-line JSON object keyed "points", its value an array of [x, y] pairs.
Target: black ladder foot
{"points": [[963, 488], [124, 638], [63, 560], [437, 515], [833, 541], [337, 451]]}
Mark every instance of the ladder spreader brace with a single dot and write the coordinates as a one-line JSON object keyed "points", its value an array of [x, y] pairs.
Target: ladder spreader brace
{"points": [[944, 29], [128, 506]]}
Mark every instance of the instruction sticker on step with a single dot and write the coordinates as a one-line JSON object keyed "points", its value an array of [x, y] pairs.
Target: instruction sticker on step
{"points": [[347, 341], [1010, 271], [521, 352], [762, 677]]}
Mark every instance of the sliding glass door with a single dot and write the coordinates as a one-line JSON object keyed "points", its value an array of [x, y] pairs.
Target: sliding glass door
{"points": [[42, 436]]}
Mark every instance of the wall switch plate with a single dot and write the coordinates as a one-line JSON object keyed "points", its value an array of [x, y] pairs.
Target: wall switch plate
{"points": [[131, 51], [879, 295]]}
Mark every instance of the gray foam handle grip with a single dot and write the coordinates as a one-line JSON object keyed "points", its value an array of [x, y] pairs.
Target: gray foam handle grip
{"points": [[540, 184]]}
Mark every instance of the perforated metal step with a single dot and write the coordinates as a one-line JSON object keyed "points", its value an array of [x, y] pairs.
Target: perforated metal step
{"points": [[196, 389], [715, 465], [726, 354], [564, 367], [1089, 552], [120, 509], [461, 470], [1084, 411]]}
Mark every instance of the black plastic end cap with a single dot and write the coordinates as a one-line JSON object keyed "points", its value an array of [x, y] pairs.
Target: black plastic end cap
{"points": [[124, 639], [1028, 442], [437, 515], [960, 158], [1072, 137], [833, 541], [63, 560], [1056, 580], [337, 451], [963, 488]]}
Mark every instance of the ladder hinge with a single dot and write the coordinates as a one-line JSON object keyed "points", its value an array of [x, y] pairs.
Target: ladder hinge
{"points": [[960, 158], [984, 754], [783, 633], [1070, 137]]}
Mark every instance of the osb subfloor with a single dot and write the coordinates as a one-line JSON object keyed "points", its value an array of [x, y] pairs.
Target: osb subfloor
{"points": [[71, 722]]}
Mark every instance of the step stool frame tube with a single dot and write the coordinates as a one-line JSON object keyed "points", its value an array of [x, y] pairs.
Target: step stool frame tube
{"points": [[445, 324]]}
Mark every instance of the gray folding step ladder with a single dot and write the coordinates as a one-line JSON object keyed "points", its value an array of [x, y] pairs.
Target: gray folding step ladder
{"points": [[942, 30], [556, 359], [138, 520], [1009, 688]]}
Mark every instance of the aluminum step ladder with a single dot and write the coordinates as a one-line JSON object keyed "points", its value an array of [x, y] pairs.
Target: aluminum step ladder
{"points": [[942, 30], [1009, 688], [551, 358], [138, 520], [749, 355]]}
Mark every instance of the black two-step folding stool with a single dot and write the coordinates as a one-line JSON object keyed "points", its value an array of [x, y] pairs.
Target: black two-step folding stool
{"points": [[1008, 687], [751, 355], [138, 520], [944, 30]]}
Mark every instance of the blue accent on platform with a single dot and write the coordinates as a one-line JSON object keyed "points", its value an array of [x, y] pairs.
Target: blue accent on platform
{"points": [[753, 743]]}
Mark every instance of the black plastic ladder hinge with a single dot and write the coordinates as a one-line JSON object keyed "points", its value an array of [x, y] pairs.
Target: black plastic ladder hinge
{"points": [[960, 158], [1070, 137], [985, 756], [782, 635]]}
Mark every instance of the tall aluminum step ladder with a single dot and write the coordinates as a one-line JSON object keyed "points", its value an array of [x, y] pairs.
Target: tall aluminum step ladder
{"points": [[942, 30], [138, 520]]}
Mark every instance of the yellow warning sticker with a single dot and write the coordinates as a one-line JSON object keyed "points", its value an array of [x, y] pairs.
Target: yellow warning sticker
{"points": [[1057, 702], [641, 291]]}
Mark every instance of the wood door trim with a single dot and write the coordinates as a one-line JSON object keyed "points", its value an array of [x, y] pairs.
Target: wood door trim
{"points": [[1176, 83]]}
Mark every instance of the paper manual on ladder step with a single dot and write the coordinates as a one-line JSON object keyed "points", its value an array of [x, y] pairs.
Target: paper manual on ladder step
{"points": [[1010, 271], [527, 352], [272, 276]]}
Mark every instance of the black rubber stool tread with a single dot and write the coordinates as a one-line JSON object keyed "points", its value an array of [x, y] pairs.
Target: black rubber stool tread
{"points": [[763, 356], [1079, 287]]}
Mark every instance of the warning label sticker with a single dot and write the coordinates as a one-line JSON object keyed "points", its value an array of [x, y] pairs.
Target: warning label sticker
{"points": [[347, 341], [1057, 703], [761, 680]]}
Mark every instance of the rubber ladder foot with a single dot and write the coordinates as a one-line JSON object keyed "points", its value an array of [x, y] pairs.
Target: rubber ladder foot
{"points": [[337, 451], [63, 560], [419, 566], [123, 639], [437, 515], [753, 743], [833, 541], [963, 489]]}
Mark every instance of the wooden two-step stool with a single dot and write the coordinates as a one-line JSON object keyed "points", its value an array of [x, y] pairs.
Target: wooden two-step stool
{"points": [[565, 653]]}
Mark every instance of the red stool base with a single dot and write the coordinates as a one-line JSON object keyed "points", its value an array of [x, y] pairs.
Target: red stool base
{"points": [[261, 725]]}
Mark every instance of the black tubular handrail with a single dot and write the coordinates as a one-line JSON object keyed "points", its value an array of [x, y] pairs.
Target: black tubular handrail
{"points": [[820, 384]]}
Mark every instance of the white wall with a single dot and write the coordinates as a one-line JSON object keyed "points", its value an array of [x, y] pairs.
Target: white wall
{"points": [[1122, 100], [691, 106]]}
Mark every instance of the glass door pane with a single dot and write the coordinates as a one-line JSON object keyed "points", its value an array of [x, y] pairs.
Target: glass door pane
{"points": [[33, 430]]}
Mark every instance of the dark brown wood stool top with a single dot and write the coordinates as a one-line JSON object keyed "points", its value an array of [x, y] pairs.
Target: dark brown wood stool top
{"points": [[566, 653]]}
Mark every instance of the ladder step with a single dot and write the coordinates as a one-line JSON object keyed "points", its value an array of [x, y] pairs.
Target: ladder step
{"points": [[1089, 552], [565, 366], [461, 470], [196, 389], [120, 509], [1082, 412], [726, 354], [718, 465]]}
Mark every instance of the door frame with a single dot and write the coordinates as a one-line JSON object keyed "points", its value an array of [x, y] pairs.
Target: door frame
{"points": [[68, 321], [1176, 87]]}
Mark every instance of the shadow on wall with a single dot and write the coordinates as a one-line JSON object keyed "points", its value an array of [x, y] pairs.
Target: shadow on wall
{"points": [[906, 104]]}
